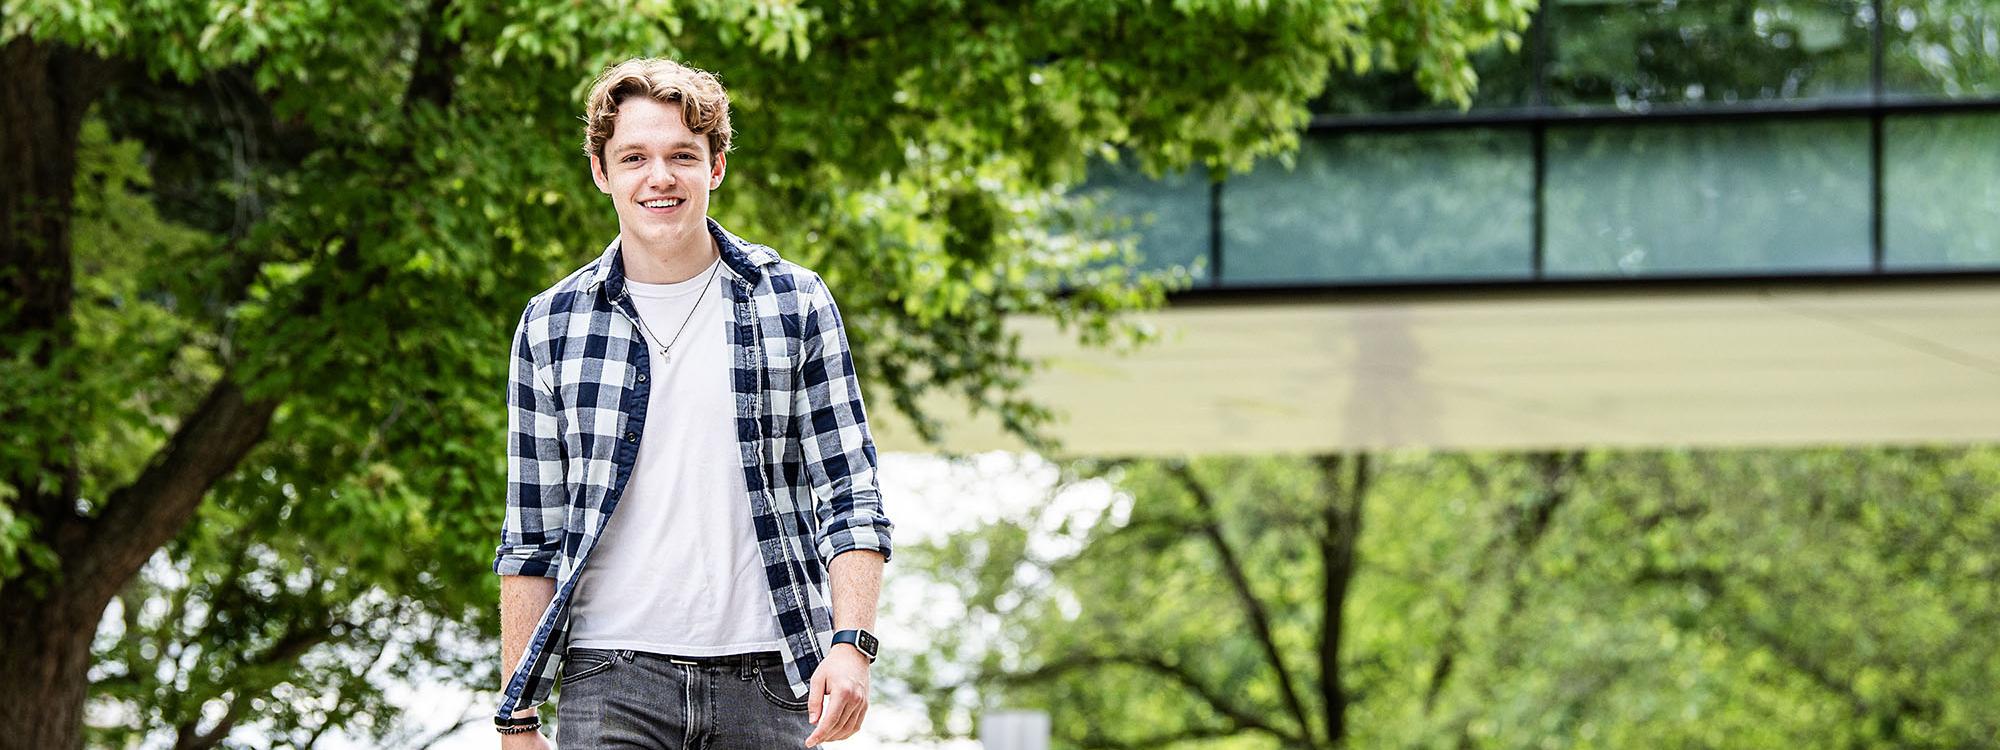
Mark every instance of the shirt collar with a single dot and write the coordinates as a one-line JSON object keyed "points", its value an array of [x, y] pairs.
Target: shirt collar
{"points": [[745, 259]]}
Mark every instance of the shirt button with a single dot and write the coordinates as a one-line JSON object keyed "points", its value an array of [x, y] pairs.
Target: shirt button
{"points": [[642, 377], [631, 437]]}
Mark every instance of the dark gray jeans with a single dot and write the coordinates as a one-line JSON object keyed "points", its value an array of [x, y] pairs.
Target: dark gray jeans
{"points": [[626, 700]]}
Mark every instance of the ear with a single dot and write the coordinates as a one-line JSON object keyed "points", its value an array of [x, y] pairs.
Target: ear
{"points": [[597, 175], [715, 171]]}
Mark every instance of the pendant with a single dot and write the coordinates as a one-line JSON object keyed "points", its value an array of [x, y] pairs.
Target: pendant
{"points": [[666, 355]]}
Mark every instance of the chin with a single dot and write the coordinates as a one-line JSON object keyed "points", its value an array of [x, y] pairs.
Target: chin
{"points": [[666, 236]]}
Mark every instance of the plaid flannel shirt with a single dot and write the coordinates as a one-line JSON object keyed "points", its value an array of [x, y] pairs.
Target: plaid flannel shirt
{"points": [[576, 404]]}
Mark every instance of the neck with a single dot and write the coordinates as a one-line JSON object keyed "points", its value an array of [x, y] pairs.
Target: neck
{"points": [[656, 264]]}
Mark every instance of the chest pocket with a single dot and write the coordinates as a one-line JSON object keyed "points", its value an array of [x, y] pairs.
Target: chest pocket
{"points": [[781, 378]]}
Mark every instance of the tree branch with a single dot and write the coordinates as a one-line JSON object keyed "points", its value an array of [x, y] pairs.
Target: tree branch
{"points": [[288, 649], [441, 734], [1215, 699], [437, 57], [1253, 608], [1523, 526], [1714, 582], [142, 516]]}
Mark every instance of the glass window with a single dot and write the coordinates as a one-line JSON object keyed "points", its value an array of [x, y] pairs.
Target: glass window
{"points": [[1171, 215], [1941, 191], [1716, 198], [1383, 206], [1941, 47], [1631, 54]]}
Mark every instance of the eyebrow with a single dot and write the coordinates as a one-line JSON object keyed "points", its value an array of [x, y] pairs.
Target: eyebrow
{"points": [[689, 145]]}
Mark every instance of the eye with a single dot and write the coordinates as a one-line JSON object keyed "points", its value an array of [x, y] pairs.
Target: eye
{"points": [[629, 158], [684, 157]]}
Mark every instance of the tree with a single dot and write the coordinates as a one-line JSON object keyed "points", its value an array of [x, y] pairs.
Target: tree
{"points": [[353, 199], [1799, 598]]}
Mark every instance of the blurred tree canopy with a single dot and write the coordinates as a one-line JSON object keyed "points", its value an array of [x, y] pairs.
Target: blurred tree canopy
{"points": [[261, 261], [1753, 599], [1641, 54]]}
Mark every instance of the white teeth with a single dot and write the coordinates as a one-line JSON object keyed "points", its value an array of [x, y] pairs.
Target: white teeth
{"points": [[667, 203]]}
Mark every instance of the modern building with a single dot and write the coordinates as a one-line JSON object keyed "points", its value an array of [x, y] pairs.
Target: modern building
{"points": [[1661, 222]]}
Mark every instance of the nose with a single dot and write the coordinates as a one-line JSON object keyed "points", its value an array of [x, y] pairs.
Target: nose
{"points": [[658, 175]]}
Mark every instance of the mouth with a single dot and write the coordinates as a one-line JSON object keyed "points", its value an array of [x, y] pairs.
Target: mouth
{"points": [[662, 205]]}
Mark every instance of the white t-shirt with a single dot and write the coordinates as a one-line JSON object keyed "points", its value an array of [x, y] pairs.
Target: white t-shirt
{"points": [[677, 570]]}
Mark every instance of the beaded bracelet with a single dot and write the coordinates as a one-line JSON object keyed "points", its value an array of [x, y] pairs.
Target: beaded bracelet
{"points": [[518, 724]]}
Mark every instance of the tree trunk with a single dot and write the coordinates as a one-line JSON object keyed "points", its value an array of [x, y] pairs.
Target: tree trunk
{"points": [[1340, 536], [44, 93], [44, 662], [45, 633], [48, 624], [51, 616]]}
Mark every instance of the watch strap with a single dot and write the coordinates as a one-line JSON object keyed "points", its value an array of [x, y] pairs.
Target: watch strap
{"points": [[855, 636]]}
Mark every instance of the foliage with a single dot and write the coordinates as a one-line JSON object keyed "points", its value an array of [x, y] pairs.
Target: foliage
{"points": [[1796, 598], [341, 206]]}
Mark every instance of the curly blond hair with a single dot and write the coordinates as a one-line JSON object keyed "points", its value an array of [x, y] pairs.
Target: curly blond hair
{"points": [[704, 103]]}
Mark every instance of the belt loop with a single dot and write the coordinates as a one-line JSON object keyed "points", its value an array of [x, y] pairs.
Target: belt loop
{"points": [[627, 653]]}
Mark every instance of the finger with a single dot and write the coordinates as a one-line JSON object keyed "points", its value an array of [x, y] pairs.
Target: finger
{"points": [[814, 695], [853, 702], [850, 718], [860, 716], [825, 729]]}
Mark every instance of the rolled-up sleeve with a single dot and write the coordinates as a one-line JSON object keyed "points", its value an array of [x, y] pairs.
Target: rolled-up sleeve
{"points": [[838, 450], [531, 537]]}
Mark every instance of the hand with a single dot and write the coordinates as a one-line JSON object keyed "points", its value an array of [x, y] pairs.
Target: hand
{"points": [[842, 682], [524, 741]]}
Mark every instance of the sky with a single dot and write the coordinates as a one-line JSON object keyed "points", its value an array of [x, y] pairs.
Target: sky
{"points": [[926, 497]]}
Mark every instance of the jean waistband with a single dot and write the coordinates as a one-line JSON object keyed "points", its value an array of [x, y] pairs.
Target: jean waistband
{"points": [[755, 659]]}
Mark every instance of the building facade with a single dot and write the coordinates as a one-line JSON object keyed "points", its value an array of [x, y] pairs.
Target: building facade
{"points": [[1660, 223]]}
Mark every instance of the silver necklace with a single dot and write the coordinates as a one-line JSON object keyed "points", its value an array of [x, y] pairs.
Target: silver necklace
{"points": [[666, 351]]}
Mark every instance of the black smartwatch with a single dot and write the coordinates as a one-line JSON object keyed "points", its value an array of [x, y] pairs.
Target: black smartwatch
{"points": [[862, 639]]}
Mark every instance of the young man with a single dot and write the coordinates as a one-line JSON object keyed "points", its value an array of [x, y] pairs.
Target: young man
{"points": [[689, 467]]}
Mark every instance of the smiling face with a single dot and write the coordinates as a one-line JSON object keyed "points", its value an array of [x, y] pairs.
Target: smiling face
{"points": [[658, 174]]}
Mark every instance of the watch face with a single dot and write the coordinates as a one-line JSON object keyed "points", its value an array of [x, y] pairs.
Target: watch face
{"points": [[867, 642]]}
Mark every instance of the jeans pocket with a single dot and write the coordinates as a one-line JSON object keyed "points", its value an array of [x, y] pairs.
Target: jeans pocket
{"points": [[583, 663], [777, 688]]}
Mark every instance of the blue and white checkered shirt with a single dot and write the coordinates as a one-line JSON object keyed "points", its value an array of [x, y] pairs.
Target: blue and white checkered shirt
{"points": [[576, 404]]}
